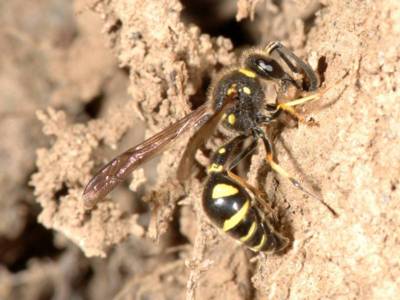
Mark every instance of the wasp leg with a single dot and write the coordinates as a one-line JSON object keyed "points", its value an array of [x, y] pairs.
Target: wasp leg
{"points": [[288, 106], [222, 155], [260, 196], [221, 158], [310, 97], [294, 63], [297, 115], [243, 154], [229, 205], [278, 169]]}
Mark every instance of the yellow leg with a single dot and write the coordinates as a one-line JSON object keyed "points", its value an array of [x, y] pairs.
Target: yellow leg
{"points": [[278, 169], [260, 196], [288, 106], [314, 96], [290, 110], [301, 100]]}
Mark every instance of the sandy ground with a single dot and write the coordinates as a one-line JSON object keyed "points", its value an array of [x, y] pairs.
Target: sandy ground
{"points": [[81, 82]]}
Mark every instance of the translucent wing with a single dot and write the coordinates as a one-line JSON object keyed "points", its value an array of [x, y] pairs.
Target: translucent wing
{"points": [[199, 137], [121, 166]]}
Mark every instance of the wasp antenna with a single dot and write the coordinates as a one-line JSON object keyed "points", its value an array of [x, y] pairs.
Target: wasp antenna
{"points": [[278, 169], [297, 184]]}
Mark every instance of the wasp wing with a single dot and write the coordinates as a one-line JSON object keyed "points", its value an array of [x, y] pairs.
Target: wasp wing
{"points": [[121, 166], [203, 134]]}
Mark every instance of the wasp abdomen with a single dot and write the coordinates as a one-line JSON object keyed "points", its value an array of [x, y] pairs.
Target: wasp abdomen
{"points": [[229, 206]]}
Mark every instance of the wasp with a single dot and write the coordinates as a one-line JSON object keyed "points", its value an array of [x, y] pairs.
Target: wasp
{"points": [[238, 102]]}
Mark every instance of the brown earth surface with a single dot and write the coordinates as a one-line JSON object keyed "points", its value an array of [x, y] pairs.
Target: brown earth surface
{"points": [[80, 82]]}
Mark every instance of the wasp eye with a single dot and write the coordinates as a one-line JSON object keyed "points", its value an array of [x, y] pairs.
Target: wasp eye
{"points": [[265, 67], [269, 67]]}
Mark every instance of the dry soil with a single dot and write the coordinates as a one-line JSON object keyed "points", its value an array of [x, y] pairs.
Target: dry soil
{"points": [[81, 81]]}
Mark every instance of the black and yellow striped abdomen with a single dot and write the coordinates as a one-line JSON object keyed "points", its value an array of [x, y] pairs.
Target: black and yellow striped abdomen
{"points": [[229, 206]]}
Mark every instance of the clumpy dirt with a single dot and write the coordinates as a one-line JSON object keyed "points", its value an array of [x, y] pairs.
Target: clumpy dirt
{"points": [[80, 82]]}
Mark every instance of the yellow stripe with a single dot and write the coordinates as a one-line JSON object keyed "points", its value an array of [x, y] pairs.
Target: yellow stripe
{"points": [[247, 90], [231, 119], [216, 168], [222, 151], [236, 218], [251, 232], [222, 190], [248, 73], [260, 245], [231, 90]]}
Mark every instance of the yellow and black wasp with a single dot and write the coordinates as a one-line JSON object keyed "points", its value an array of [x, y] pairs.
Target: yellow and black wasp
{"points": [[238, 101]]}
